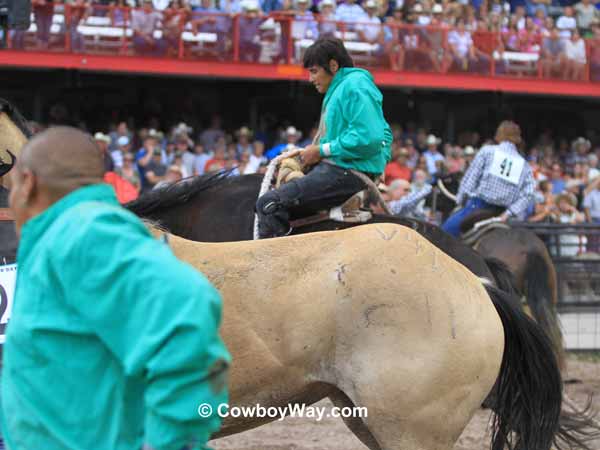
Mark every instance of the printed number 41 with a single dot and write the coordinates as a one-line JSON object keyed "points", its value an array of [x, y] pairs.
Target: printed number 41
{"points": [[505, 167]]}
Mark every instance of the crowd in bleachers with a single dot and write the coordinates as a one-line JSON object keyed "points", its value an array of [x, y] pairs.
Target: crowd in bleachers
{"points": [[545, 37], [567, 171]]}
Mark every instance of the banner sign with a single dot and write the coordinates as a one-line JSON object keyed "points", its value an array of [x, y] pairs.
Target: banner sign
{"points": [[8, 277]]}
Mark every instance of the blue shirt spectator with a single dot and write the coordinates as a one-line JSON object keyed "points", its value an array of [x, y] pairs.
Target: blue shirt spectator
{"points": [[350, 12]]}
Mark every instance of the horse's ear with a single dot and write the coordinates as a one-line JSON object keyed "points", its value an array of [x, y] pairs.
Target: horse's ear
{"points": [[6, 166]]}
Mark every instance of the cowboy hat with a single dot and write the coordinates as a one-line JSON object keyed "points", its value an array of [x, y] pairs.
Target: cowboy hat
{"points": [[99, 136]]}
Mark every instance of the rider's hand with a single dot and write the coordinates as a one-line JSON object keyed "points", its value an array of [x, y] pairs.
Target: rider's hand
{"points": [[292, 153], [310, 156], [504, 217]]}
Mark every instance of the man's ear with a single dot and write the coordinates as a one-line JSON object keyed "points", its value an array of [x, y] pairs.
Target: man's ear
{"points": [[29, 187], [333, 66]]}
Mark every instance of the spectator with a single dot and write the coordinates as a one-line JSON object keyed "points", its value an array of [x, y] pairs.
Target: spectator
{"points": [[144, 156], [468, 155], [208, 19], [123, 147], [119, 13], [593, 171], [122, 130], [413, 51], [244, 135], [397, 169], [211, 135], [144, 22], [579, 151], [292, 136], [566, 23], [422, 17], [175, 17], [591, 201], [413, 154], [256, 158], [304, 25], [404, 202], [432, 155], [553, 56], [327, 17], [575, 57], [586, 13], [594, 44], [217, 162], [155, 170], [202, 157], [520, 17], [454, 161], [102, 141], [77, 12], [178, 161], [544, 209], [535, 6], [570, 244], [182, 147], [128, 171], [557, 179], [371, 30], [351, 13], [463, 55], [43, 11], [249, 23], [173, 174]]}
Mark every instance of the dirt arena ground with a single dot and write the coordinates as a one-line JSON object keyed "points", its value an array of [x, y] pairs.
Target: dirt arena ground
{"points": [[332, 434]]}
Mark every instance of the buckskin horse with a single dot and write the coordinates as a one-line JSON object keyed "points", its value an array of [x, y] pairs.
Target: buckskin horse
{"points": [[419, 345], [220, 208]]}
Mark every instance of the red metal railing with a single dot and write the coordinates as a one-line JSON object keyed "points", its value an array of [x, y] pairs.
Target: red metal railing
{"points": [[282, 38]]}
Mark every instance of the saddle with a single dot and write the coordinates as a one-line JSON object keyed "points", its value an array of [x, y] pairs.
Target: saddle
{"points": [[353, 210], [479, 223]]}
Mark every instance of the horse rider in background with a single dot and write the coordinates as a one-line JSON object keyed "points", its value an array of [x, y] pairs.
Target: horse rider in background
{"points": [[498, 177], [353, 135]]}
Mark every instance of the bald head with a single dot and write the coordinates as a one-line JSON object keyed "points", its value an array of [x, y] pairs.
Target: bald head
{"points": [[399, 188], [63, 159]]}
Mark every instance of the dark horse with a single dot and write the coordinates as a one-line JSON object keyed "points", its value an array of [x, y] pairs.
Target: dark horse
{"points": [[526, 256], [220, 208]]}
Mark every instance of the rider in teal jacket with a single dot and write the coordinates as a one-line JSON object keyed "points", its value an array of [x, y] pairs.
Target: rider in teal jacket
{"points": [[353, 136]]}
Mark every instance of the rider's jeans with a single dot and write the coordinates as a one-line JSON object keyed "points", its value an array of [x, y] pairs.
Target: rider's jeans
{"points": [[452, 223], [325, 186]]}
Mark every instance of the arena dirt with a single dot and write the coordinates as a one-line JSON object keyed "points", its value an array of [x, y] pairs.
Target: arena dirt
{"points": [[332, 434]]}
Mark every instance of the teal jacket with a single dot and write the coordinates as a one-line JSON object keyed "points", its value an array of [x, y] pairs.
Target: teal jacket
{"points": [[356, 133], [112, 341]]}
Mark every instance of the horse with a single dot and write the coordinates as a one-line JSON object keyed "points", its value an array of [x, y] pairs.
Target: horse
{"points": [[524, 253], [220, 208], [333, 314]]}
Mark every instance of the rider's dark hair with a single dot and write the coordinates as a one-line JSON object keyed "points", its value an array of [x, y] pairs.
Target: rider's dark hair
{"points": [[324, 50]]}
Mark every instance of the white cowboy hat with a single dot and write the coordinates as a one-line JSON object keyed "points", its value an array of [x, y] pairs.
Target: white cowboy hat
{"points": [[99, 136], [431, 140]]}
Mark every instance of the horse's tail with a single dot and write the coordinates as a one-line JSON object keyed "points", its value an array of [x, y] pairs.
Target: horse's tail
{"points": [[540, 299], [504, 278], [529, 386], [528, 392]]}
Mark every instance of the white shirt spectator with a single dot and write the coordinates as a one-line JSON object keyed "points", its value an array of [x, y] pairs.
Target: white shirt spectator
{"points": [[431, 159], [592, 202], [371, 31], [460, 42], [350, 13], [117, 157], [575, 51], [189, 159], [424, 20], [565, 25], [201, 161], [254, 163], [304, 26], [586, 14]]}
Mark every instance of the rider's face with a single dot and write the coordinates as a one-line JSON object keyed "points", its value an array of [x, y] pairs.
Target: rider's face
{"points": [[319, 77]]}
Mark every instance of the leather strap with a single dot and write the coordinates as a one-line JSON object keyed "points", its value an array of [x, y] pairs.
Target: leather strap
{"points": [[6, 215]]}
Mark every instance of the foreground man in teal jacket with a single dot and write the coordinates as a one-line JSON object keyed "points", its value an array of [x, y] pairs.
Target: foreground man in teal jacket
{"points": [[353, 134], [113, 342]]}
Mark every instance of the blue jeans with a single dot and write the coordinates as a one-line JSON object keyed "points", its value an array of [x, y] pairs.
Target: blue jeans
{"points": [[452, 223]]}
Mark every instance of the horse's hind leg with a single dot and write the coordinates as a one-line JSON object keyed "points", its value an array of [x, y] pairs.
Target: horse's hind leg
{"points": [[355, 424]]}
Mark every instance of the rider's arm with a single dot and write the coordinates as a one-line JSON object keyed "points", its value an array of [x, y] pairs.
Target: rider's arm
{"points": [[363, 135], [526, 196], [471, 179]]}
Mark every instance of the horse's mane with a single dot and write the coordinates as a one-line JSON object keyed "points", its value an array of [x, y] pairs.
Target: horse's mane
{"points": [[16, 117], [175, 194]]}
